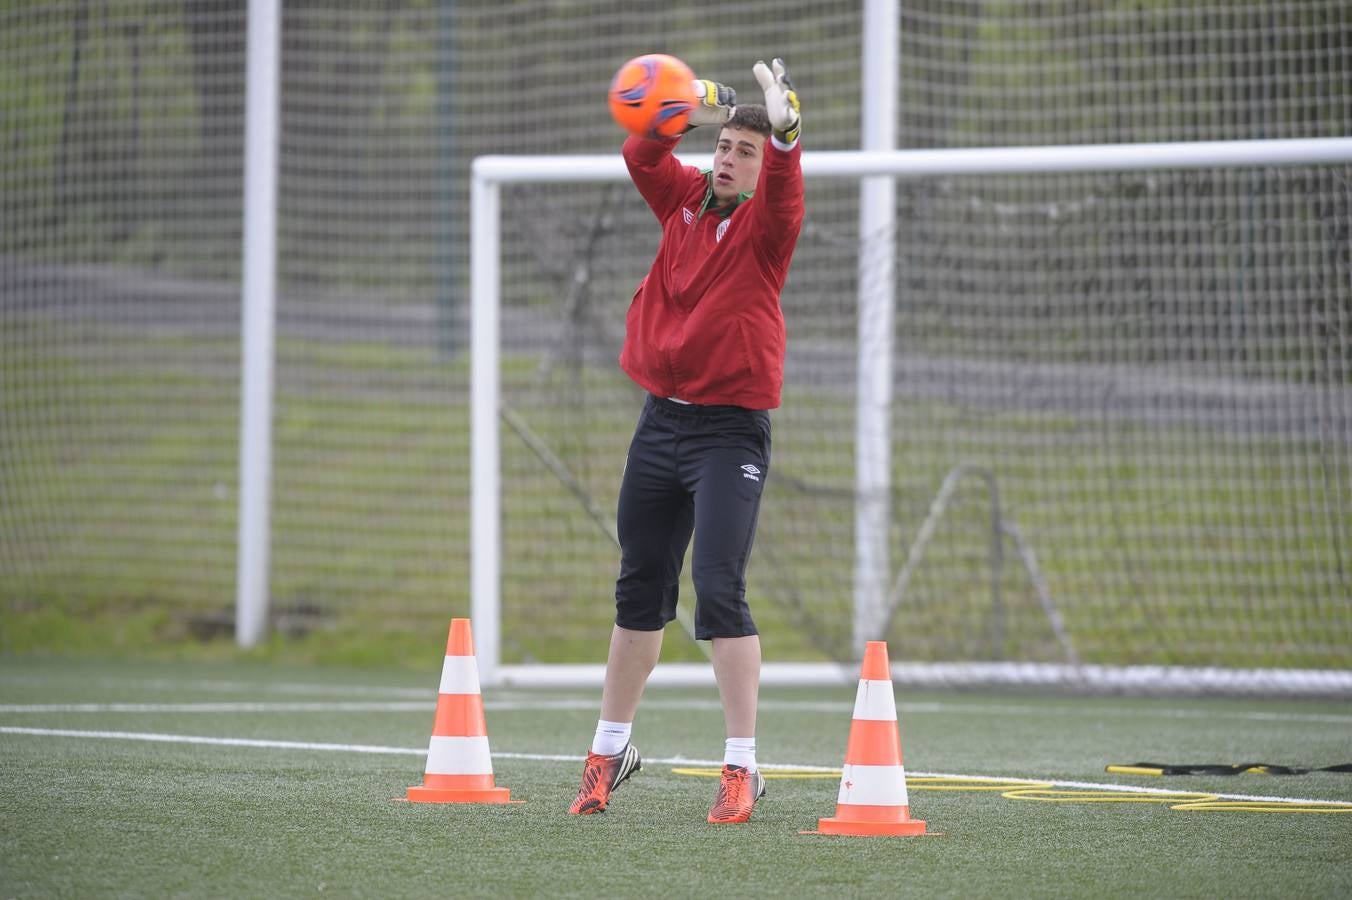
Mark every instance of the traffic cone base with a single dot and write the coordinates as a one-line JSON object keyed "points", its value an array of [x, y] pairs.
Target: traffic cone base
{"points": [[837, 825], [866, 820], [458, 789], [426, 794]]}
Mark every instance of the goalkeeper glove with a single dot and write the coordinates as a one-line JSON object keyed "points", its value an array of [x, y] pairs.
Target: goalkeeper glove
{"points": [[781, 100], [714, 103]]}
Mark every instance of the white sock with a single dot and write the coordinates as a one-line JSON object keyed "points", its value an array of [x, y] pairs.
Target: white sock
{"points": [[740, 752], [611, 737]]}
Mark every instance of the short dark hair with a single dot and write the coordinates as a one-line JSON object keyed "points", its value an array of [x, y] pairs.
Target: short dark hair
{"points": [[750, 117]]}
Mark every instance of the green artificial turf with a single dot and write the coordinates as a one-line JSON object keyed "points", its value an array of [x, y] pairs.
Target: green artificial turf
{"points": [[110, 816]]}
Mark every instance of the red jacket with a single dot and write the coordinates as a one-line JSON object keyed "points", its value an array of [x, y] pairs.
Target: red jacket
{"points": [[705, 324]]}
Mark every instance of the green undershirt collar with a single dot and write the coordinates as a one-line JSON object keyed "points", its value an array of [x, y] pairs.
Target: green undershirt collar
{"points": [[721, 211]]}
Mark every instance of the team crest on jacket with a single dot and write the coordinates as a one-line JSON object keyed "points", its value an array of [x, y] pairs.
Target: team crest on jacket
{"points": [[722, 227], [688, 216]]}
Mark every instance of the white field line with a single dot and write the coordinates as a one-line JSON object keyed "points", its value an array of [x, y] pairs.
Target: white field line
{"points": [[373, 706], [510, 700], [212, 741], [549, 757], [221, 686], [563, 703]]}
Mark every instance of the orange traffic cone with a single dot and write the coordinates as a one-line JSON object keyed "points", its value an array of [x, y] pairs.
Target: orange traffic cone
{"points": [[459, 768], [872, 799]]}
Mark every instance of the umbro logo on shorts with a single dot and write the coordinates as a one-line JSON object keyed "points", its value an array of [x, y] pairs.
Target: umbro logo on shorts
{"points": [[750, 471]]}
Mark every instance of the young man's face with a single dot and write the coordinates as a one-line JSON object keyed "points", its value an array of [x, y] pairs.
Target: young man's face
{"points": [[737, 163]]}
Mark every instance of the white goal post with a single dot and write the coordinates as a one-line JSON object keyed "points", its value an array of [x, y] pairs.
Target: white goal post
{"points": [[491, 173]]}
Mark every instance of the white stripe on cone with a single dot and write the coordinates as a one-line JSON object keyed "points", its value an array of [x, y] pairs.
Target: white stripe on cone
{"points": [[875, 700], [459, 756], [873, 785], [459, 675]]}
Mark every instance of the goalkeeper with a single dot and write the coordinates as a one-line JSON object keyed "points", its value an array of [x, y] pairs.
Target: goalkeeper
{"points": [[704, 336]]}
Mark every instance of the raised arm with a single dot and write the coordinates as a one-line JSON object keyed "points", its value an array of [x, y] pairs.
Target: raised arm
{"points": [[780, 189]]}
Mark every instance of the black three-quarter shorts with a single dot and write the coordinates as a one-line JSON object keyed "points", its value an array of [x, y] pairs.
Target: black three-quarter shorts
{"points": [[697, 469]]}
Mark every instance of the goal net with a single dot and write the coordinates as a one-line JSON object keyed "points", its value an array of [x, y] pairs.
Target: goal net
{"points": [[1148, 370]]}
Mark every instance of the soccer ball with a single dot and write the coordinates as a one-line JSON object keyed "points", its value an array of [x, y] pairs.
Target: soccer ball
{"points": [[653, 95]]}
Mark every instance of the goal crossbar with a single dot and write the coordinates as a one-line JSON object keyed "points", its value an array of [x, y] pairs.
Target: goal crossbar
{"points": [[969, 161]]}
